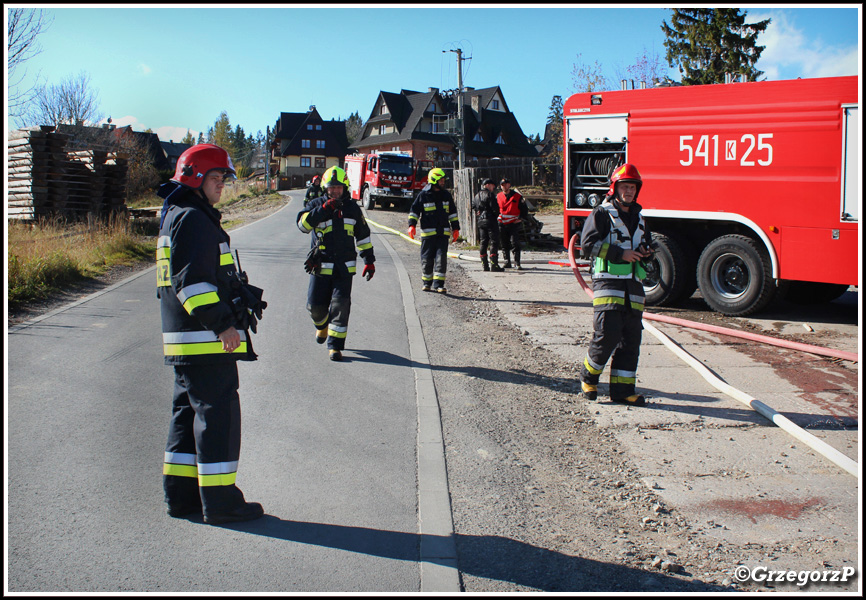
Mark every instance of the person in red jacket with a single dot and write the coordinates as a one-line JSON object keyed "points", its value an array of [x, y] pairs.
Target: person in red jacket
{"points": [[512, 211]]}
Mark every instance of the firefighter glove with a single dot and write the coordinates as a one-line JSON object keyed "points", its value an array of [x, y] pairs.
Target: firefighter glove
{"points": [[412, 231], [455, 234], [333, 203], [369, 271]]}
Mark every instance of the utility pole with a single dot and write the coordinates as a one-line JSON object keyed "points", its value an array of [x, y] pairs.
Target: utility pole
{"points": [[268, 159], [460, 137]]}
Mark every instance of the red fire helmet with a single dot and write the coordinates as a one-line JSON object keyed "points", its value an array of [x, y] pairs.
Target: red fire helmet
{"points": [[196, 162], [626, 172]]}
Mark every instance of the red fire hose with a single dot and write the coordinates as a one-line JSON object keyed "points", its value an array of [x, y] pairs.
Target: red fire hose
{"points": [[715, 329]]}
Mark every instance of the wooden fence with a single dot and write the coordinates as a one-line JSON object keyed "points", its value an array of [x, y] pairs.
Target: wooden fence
{"points": [[46, 180]]}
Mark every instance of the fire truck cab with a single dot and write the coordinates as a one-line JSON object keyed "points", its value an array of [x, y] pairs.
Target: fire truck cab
{"points": [[382, 178], [749, 188]]}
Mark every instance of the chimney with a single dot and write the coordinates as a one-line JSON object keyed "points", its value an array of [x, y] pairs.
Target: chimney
{"points": [[476, 103], [432, 89]]}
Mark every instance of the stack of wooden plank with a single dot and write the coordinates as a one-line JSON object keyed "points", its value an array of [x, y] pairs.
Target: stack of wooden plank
{"points": [[46, 179]]}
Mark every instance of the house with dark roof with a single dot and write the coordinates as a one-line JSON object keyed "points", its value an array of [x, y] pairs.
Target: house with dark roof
{"points": [[305, 145], [173, 150], [424, 124]]}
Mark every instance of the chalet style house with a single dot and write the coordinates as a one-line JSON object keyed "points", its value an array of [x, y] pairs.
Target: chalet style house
{"points": [[423, 125], [305, 145]]}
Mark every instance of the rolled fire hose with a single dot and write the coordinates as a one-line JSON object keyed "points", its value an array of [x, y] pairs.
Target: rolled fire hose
{"points": [[774, 416]]}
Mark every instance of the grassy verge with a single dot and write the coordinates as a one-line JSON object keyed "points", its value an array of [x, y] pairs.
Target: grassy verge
{"points": [[45, 257]]}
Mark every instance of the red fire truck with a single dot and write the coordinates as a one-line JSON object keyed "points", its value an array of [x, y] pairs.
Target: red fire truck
{"points": [[749, 188], [383, 178]]}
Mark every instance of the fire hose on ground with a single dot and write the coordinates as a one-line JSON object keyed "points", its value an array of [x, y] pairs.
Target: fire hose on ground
{"points": [[774, 416]]}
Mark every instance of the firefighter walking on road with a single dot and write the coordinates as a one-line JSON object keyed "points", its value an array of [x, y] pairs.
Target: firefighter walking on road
{"points": [[205, 332], [338, 226], [435, 213], [487, 213], [615, 237], [314, 191], [512, 211]]}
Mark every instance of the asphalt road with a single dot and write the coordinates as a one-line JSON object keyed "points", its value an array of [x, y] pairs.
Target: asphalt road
{"points": [[329, 449]]}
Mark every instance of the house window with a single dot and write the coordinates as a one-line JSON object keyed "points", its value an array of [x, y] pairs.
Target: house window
{"points": [[318, 127], [305, 161], [500, 140], [309, 127], [305, 143], [383, 129], [478, 138], [320, 162], [495, 105], [432, 107], [432, 149], [320, 144], [383, 110]]}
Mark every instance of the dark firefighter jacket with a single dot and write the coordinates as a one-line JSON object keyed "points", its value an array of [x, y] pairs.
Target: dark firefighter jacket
{"points": [[486, 208], [313, 192], [606, 234], [338, 233], [434, 211], [195, 272]]}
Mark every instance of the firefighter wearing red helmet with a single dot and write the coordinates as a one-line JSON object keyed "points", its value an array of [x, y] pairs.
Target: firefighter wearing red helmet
{"points": [[315, 190], [338, 227], [615, 237], [205, 322]]}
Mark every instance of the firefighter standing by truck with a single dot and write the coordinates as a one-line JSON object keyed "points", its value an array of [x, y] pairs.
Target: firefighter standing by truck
{"points": [[435, 213], [512, 211], [487, 212], [338, 226], [616, 238], [205, 325]]}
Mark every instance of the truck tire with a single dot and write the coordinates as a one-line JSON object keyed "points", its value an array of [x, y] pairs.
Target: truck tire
{"points": [[367, 199], [734, 276], [666, 272], [811, 292]]}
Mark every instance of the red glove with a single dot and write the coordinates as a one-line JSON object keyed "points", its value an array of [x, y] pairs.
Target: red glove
{"points": [[333, 204], [454, 235], [369, 271], [412, 231]]}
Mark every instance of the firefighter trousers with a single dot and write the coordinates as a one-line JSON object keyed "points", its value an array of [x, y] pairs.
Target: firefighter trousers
{"points": [[204, 438], [434, 260], [511, 240], [489, 235], [616, 332], [329, 300]]}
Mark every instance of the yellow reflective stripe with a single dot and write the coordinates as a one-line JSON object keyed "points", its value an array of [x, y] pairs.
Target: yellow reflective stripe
{"points": [[163, 253], [607, 300], [219, 479], [622, 379], [365, 246], [163, 273], [180, 470], [198, 349], [200, 300], [591, 368], [303, 225], [226, 259], [350, 229], [603, 252], [637, 305], [337, 332]]}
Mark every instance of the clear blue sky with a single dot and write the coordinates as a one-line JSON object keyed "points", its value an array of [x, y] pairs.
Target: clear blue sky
{"points": [[172, 69]]}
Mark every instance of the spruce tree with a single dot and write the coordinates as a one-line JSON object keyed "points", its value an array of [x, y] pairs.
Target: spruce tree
{"points": [[707, 43]]}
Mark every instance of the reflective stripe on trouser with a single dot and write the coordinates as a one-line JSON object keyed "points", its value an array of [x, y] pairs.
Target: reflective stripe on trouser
{"points": [[434, 260], [329, 300], [204, 438], [617, 333]]}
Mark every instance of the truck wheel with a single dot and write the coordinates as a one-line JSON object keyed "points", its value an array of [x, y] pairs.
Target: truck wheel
{"points": [[666, 272], [367, 199], [812, 292], [734, 276]]}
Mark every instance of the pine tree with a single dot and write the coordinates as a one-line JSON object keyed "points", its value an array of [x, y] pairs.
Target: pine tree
{"points": [[354, 125], [188, 139], [553, 131], [707, 43]]}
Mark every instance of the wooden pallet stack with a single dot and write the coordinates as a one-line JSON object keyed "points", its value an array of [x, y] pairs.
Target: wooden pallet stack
{"points": [[48, 180]]}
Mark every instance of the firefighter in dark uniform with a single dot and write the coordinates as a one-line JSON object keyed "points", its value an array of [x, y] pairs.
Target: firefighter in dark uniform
{"points": [[435, 213], [615, 237], [314, 191], [512, 212], [204, 335], [338, 226], [487, 212]]}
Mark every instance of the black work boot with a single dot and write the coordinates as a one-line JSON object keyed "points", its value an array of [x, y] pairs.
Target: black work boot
{"points": [[245, 512], [484, 264], [507, 264], [494, 264], [517, 260]]}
